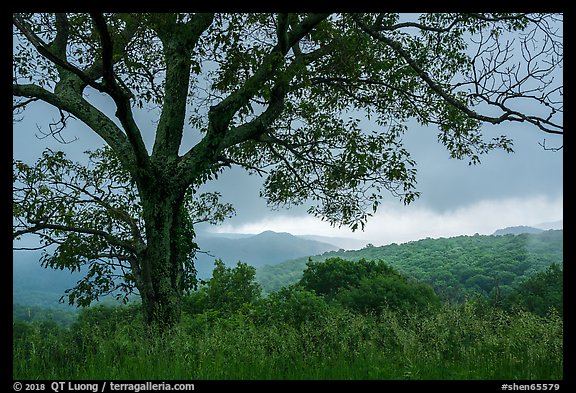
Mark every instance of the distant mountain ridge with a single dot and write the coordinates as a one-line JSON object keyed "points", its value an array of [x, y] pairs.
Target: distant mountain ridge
{"points": [[449, 264], [34, 285], [339, 242], [516, 230], [559, 224], [266, 248]]}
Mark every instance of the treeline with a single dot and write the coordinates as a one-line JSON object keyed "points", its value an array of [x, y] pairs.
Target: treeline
{"points": [[365, 287], [341, 320], [457, 267], [62, 317]]}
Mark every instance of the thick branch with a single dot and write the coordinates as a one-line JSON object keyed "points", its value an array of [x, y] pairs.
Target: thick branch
{"points": [[120, 97], [209, 151], [60, 42], [282, 32], [221, 114], [56, 53], [39, 226], [204, 156], [83, 110], [178, 41]]}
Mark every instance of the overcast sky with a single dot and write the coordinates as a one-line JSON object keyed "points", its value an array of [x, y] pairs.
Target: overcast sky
{"points": [[520, 188]]}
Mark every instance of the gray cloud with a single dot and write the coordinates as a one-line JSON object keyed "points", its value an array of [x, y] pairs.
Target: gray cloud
{"points": [[446, 184]]}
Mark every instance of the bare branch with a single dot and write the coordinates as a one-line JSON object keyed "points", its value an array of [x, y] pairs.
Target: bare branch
{"points": [[226, 161], [508, 114], [56, 129], [87, 113], [543, 144], [23, 104]]}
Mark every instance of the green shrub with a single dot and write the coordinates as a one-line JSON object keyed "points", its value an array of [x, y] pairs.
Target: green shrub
{"points": [[373, 294], [228, 291], [334, 274], [292, 305], [366, 286]]}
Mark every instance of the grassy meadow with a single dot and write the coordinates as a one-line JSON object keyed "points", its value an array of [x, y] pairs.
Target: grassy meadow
{"points": [[467, 341]]}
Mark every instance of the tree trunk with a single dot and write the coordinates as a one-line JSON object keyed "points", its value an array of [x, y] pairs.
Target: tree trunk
{"points": [[161, 285]]}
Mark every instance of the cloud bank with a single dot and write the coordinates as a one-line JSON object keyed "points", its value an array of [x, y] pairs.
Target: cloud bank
{"points": [[395, 223]]}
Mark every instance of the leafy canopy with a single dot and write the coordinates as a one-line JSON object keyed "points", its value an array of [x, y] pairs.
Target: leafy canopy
{"points": [[283, 95], [91, 217]]}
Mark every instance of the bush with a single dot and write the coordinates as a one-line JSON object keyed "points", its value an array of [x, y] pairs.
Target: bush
{"points": [[230, 290], [366, 286], [328, 277], [293, 305], [373, 294]]}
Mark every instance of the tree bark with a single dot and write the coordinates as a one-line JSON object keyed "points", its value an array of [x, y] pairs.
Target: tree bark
{"points": [[161, 284]]}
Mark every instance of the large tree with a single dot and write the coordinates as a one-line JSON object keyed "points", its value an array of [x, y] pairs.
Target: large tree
{"points": [[281, 95]]}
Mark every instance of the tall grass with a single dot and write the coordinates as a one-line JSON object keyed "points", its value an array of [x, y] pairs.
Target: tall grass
{"points": [[453, 342]]}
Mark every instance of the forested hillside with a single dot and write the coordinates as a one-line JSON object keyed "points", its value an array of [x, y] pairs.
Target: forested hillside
{"points": [[455, 267], [342, 320], [375, 313]]}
